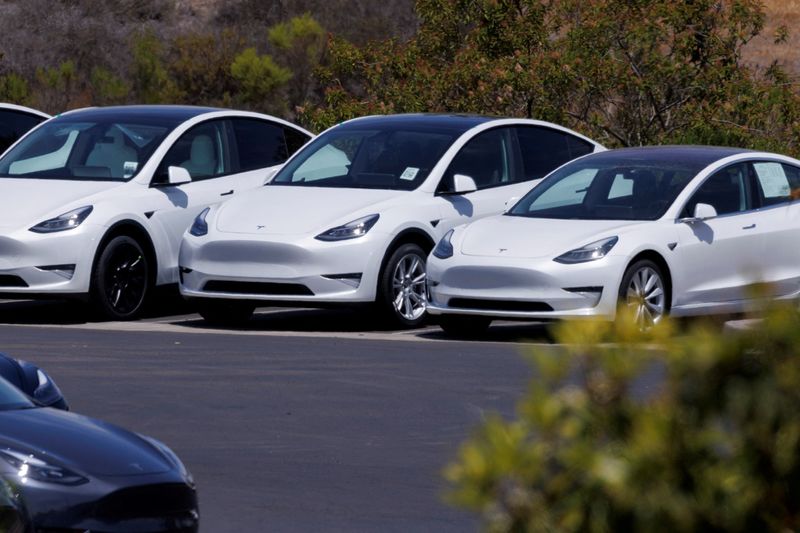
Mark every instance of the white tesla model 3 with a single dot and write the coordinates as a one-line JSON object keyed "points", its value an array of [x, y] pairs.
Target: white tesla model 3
{"points": [[680, 230], [351, 217], [93, 203]]}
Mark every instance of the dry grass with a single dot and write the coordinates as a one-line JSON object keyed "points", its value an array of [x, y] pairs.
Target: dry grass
{"points": [[762, 51]]}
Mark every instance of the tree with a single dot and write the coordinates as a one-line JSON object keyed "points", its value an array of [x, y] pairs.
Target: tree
{"points": [[713, 445], [623, 72], [259, 78]]}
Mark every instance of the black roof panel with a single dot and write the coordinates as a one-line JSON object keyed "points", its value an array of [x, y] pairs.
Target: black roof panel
{"points": [[455, 123], [166, 113], [695, 156]]}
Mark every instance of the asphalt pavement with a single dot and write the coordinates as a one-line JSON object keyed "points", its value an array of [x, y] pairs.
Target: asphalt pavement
{"points": [[303, 420]]}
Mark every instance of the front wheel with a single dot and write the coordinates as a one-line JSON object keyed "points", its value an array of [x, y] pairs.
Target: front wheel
{"points": [[401, 293], [120, 279], [219, 312], [643, 294]]}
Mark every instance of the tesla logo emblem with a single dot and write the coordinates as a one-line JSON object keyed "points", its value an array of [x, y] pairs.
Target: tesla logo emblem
{"points": [[259, 227], [501, 250]]}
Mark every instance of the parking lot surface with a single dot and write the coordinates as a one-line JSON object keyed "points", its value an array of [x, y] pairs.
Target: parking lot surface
{"points": [[303, 420]]}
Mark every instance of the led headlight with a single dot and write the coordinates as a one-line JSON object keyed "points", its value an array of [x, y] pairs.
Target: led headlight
{"points": [[444, 248], [200, 226], [31, 467], [69, 220], [351, 230], [591, 252]]}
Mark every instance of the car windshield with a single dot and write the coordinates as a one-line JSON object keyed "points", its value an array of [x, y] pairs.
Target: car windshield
{"points": [[607, 189], [392, 158], [11, 397], [72, 149]]}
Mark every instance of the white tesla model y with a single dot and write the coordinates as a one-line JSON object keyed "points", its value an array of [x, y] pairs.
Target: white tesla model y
{"points": [[681, 230], [93, 203], [351, 217]]}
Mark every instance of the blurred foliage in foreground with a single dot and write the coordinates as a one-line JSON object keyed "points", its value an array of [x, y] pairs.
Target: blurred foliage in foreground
{"points": [[659, 432]]}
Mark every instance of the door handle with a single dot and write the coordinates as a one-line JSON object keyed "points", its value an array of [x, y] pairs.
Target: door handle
{"points": [[227, 193], [751, 226]]}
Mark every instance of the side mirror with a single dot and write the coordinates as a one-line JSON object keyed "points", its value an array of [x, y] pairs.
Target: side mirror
{"points": [[511, 202], [178, 176], [463, 184], [701, 212]]}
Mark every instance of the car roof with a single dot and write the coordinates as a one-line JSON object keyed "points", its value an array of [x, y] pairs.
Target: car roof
{"points": [[177, 113], [23, 109], [695, 156], [456, 123]]}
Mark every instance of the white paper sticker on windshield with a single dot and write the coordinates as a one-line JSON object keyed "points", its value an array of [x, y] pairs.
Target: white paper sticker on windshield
{"points": [[129, 168], [773, 179], [409, 173]]}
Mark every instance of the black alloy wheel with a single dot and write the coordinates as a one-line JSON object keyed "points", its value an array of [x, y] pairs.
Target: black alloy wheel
{"points": [[121, 279]]}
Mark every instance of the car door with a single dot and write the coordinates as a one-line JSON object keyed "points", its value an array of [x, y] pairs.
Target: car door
{"points": [[776, 186], [718, 260], [505, 163]]}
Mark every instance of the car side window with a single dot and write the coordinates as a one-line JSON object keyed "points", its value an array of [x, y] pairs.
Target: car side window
{"points": [[485, 158], [202, 151], [727, 190], [13, 125], [776, 183], [259, 144], [544, 149], [295, 139]]}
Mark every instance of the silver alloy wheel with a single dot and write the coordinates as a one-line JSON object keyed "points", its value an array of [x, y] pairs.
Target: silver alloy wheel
{"points": [[408, 287], [646, 297]]}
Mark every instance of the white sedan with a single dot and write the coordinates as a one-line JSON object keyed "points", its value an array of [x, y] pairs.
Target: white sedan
{"points": [[680, 230], [351, 217], [93, 203]]}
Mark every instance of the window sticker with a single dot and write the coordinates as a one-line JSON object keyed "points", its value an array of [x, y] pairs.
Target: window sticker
{"points": [[409, 173], [129, 168], [773, 179]]}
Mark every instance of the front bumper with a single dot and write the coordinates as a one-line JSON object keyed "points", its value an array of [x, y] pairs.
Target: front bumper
{"points": [[47, 263], [281, 268], [522, 288], [144, 504]]}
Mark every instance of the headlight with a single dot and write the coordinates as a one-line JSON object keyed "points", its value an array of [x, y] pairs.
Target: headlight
{"points": [[351, 230], [590, 252], [69, 220], [200, 226], [444, 248], [30, 467]]}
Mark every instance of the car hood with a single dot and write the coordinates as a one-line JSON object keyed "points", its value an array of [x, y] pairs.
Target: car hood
{"points": [[28, 201], [294, 210], [80, 443], [513, 236]]}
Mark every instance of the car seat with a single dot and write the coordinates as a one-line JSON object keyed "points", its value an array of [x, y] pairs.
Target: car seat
{"points": [[112, 153], [202, 161]]}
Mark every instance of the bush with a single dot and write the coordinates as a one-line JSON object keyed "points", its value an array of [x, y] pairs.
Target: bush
{"points": [[625, 432]]}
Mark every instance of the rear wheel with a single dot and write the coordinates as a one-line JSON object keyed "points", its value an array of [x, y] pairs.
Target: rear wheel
{"points": [[121, 279], [464, 327], [401, 292], [219, 312], [643, 294]]}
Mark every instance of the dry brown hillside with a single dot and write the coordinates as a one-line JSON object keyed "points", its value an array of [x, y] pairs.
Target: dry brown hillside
{"points": [[763, 50]]}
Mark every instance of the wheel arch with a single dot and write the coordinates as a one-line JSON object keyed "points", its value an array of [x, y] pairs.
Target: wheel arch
{"points": [[136, 231], [659, 260], [412, 235]]}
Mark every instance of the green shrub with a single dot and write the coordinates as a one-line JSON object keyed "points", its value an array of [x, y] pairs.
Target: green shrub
{"points": [[619, 431]]}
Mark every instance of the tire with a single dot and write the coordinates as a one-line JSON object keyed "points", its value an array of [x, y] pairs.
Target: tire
{"points": [[401, 289], [120, 280], [464, 327], [218, 312], [643, 294]]}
